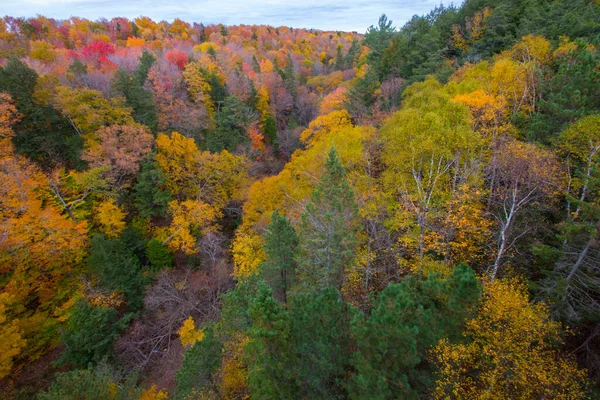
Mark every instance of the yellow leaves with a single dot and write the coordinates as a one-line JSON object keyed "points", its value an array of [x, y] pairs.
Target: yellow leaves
{"points": [[565, 48], [211, 178], [198, 88], [473, 31], [190, 218], [234, 372], [266, 66], [247, 254], [153, 393], [323, 57], [42, 50], [581, 140], [490, 113], [177, 156], [262, 104], [511, 354], [325, 124], [188, 334], [532, 49], [12, 341], [111, 218], [205, 47]]}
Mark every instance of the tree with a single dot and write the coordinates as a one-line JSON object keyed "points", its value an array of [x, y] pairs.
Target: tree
{"points": [[280, 247], [231, 124], [321, 347], [41, 254], [89, 334], [521, 175], [190, 219], [117, 269], [511, 352], [132, 88], [87, 110], [41, 134], [408, 318], [121, 148], [430, 151], [110, 218], [327, 230], [378, 39], [93, 383], [214, 179], [199, 366], [271, 371], [149, 198]]}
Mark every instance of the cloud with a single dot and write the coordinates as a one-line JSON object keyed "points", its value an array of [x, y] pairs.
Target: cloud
{"points": [[349, 15]]}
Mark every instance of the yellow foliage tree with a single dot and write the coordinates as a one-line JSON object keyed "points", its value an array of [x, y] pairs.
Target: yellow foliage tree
{"points": [[325, 124], [188, 334], [12, 341], [190, 218], [153, 393], [111, 218], [511, 353]]}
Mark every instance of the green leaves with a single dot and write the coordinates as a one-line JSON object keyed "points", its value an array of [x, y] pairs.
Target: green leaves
{"points": [[327, 230]]}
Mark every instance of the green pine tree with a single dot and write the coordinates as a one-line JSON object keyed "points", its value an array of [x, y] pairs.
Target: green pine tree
{"points": [[327, 230], [281, 245]]}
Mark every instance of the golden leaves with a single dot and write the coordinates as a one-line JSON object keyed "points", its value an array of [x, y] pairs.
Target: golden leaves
{"points": [[188, 334]]}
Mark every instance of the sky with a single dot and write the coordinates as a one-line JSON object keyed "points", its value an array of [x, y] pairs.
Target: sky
{"points": [[345, 15]]}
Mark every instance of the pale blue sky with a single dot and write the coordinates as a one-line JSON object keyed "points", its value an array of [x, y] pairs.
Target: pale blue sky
{"points": [[348, 15]]}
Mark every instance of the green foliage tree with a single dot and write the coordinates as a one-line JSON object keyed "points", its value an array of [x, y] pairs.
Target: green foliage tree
{"points": [[231, 123], [148, 197], [94, 383], [90, 334], [281, 245], [319, 327], [158, 255], [327, 230], [41, 134], [406, 320], [118, 269], [132, 88], [199, 365], [271, 373]]}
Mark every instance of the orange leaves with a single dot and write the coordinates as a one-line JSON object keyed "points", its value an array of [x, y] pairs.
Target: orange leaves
{"points": [[40, 254], [490, 114], [256, 137], [8, 117], [334, 101], [135, 42]]}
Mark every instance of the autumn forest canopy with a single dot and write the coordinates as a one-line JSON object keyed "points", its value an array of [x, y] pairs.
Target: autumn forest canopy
{"points": [[233, 212]]}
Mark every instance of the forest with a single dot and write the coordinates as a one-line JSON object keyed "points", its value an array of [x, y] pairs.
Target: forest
{"points": [[216, 212]]}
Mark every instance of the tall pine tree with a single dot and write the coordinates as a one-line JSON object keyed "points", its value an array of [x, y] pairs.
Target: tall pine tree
{"points": [[327, 230]]}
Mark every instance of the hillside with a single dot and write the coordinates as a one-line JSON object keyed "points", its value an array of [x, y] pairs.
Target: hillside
{"points": [[230, 212]]}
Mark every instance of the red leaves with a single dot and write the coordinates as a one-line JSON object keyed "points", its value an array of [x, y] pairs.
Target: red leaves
{"points": [[177, 57], [98, 51]]}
